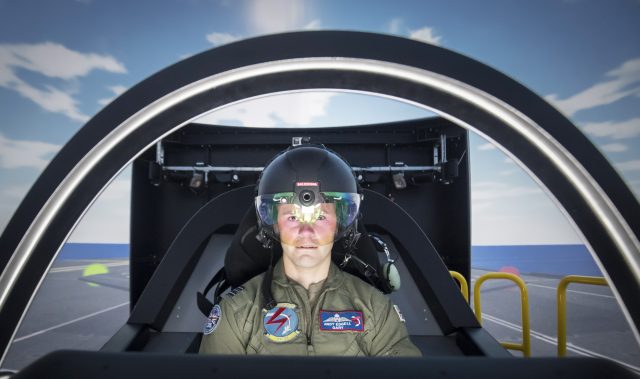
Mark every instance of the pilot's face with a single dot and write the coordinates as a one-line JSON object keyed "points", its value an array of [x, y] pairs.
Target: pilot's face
{"points": [[307, 234]]}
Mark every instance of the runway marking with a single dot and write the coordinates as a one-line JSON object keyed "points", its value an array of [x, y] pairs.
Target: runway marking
{"points": [[574, 291], [69, 322], [80, 268], [554, 341]]}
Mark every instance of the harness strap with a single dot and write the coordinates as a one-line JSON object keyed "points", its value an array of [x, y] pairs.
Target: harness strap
{"points": [[267, 296], [204, 304]]}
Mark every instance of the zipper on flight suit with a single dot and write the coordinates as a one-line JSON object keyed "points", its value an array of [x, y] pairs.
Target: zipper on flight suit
{"points": [[308, 317], [304, 313], [314, 312]]}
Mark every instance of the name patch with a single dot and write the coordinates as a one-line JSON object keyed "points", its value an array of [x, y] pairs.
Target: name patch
{"points": [[341, 321]]}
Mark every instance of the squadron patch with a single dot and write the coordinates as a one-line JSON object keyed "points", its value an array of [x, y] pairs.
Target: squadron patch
{"points": [[281, 322], [341, 321], [212, 321]]}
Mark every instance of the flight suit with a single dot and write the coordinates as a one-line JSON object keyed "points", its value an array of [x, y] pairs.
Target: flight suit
{"points": [[344, 316]]}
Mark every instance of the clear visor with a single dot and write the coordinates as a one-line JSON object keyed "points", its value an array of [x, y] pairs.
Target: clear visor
{"points": [[324, 221]]}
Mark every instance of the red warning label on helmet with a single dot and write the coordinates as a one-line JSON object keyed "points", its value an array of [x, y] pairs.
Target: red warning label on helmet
{"points": [[306, 184]]}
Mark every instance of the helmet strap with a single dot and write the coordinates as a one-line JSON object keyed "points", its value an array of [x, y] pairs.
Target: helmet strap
{"points": [[351, 238], [266, 240], [267, 296]]}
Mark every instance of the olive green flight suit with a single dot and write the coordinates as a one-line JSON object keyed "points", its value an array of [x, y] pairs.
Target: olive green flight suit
{"points": [[240, 326]]}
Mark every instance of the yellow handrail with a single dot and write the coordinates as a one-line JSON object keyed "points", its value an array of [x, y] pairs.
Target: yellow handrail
{"points": [[525, 347], [464, 287], [562, 305]]}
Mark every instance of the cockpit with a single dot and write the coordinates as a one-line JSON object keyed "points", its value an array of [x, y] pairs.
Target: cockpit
{"points": [[193, 189]]}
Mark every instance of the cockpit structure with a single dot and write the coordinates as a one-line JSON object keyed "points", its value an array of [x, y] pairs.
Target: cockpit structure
{"points": [[193, 183]]}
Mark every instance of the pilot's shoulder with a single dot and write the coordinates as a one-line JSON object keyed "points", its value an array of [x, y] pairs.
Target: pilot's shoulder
{"points": [[243, 295]]}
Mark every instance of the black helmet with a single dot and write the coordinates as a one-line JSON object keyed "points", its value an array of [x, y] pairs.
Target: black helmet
{"points": [[308, 184]]}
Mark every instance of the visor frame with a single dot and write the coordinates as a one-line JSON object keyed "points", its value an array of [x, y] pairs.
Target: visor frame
{"points": [[347, 209]]}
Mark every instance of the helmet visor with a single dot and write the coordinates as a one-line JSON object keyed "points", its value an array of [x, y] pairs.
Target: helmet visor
{"points": [[288, 216]]}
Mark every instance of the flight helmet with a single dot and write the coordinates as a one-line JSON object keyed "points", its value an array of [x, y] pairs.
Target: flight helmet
{"points": [[308, 185]]}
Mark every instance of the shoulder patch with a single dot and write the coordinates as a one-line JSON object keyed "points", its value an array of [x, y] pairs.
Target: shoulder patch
{"points": [[235, 291], [212, 321], [400, 316]]}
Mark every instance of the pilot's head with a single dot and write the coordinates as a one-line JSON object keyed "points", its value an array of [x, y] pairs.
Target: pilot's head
{"points": [[307, 199]]}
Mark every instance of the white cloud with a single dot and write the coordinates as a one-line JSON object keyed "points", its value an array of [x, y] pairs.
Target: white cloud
{"points": [[52, 99], [508, 172], [15, 192], [395, 25], [515, 214], [265, 26], [481, 206], [274, 16], [218, 39], [508, 160], [10, 198], [425, 34], [614, 148], [54, 61], [622, 82], [488, 191], [486, 146], [284, 110], [119, 189], [107, 221], [616, 130], [117, 90], [313, 25], [628, 166], [29, 154], [498, 224], [634, 185]]}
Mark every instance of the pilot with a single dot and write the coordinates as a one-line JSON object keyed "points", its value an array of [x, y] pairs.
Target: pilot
{"points": [[307, 200]]}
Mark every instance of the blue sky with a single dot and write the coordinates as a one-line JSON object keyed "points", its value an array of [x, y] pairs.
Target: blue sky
{"points": [[62, 61]]}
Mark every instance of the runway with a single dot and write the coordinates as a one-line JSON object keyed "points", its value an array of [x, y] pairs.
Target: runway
{"points": [[82, 308], [73, 310]]}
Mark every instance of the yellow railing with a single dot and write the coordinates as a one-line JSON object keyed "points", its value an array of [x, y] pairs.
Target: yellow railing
{"points": [[525, 347], [562, 305], [464, 287]]}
